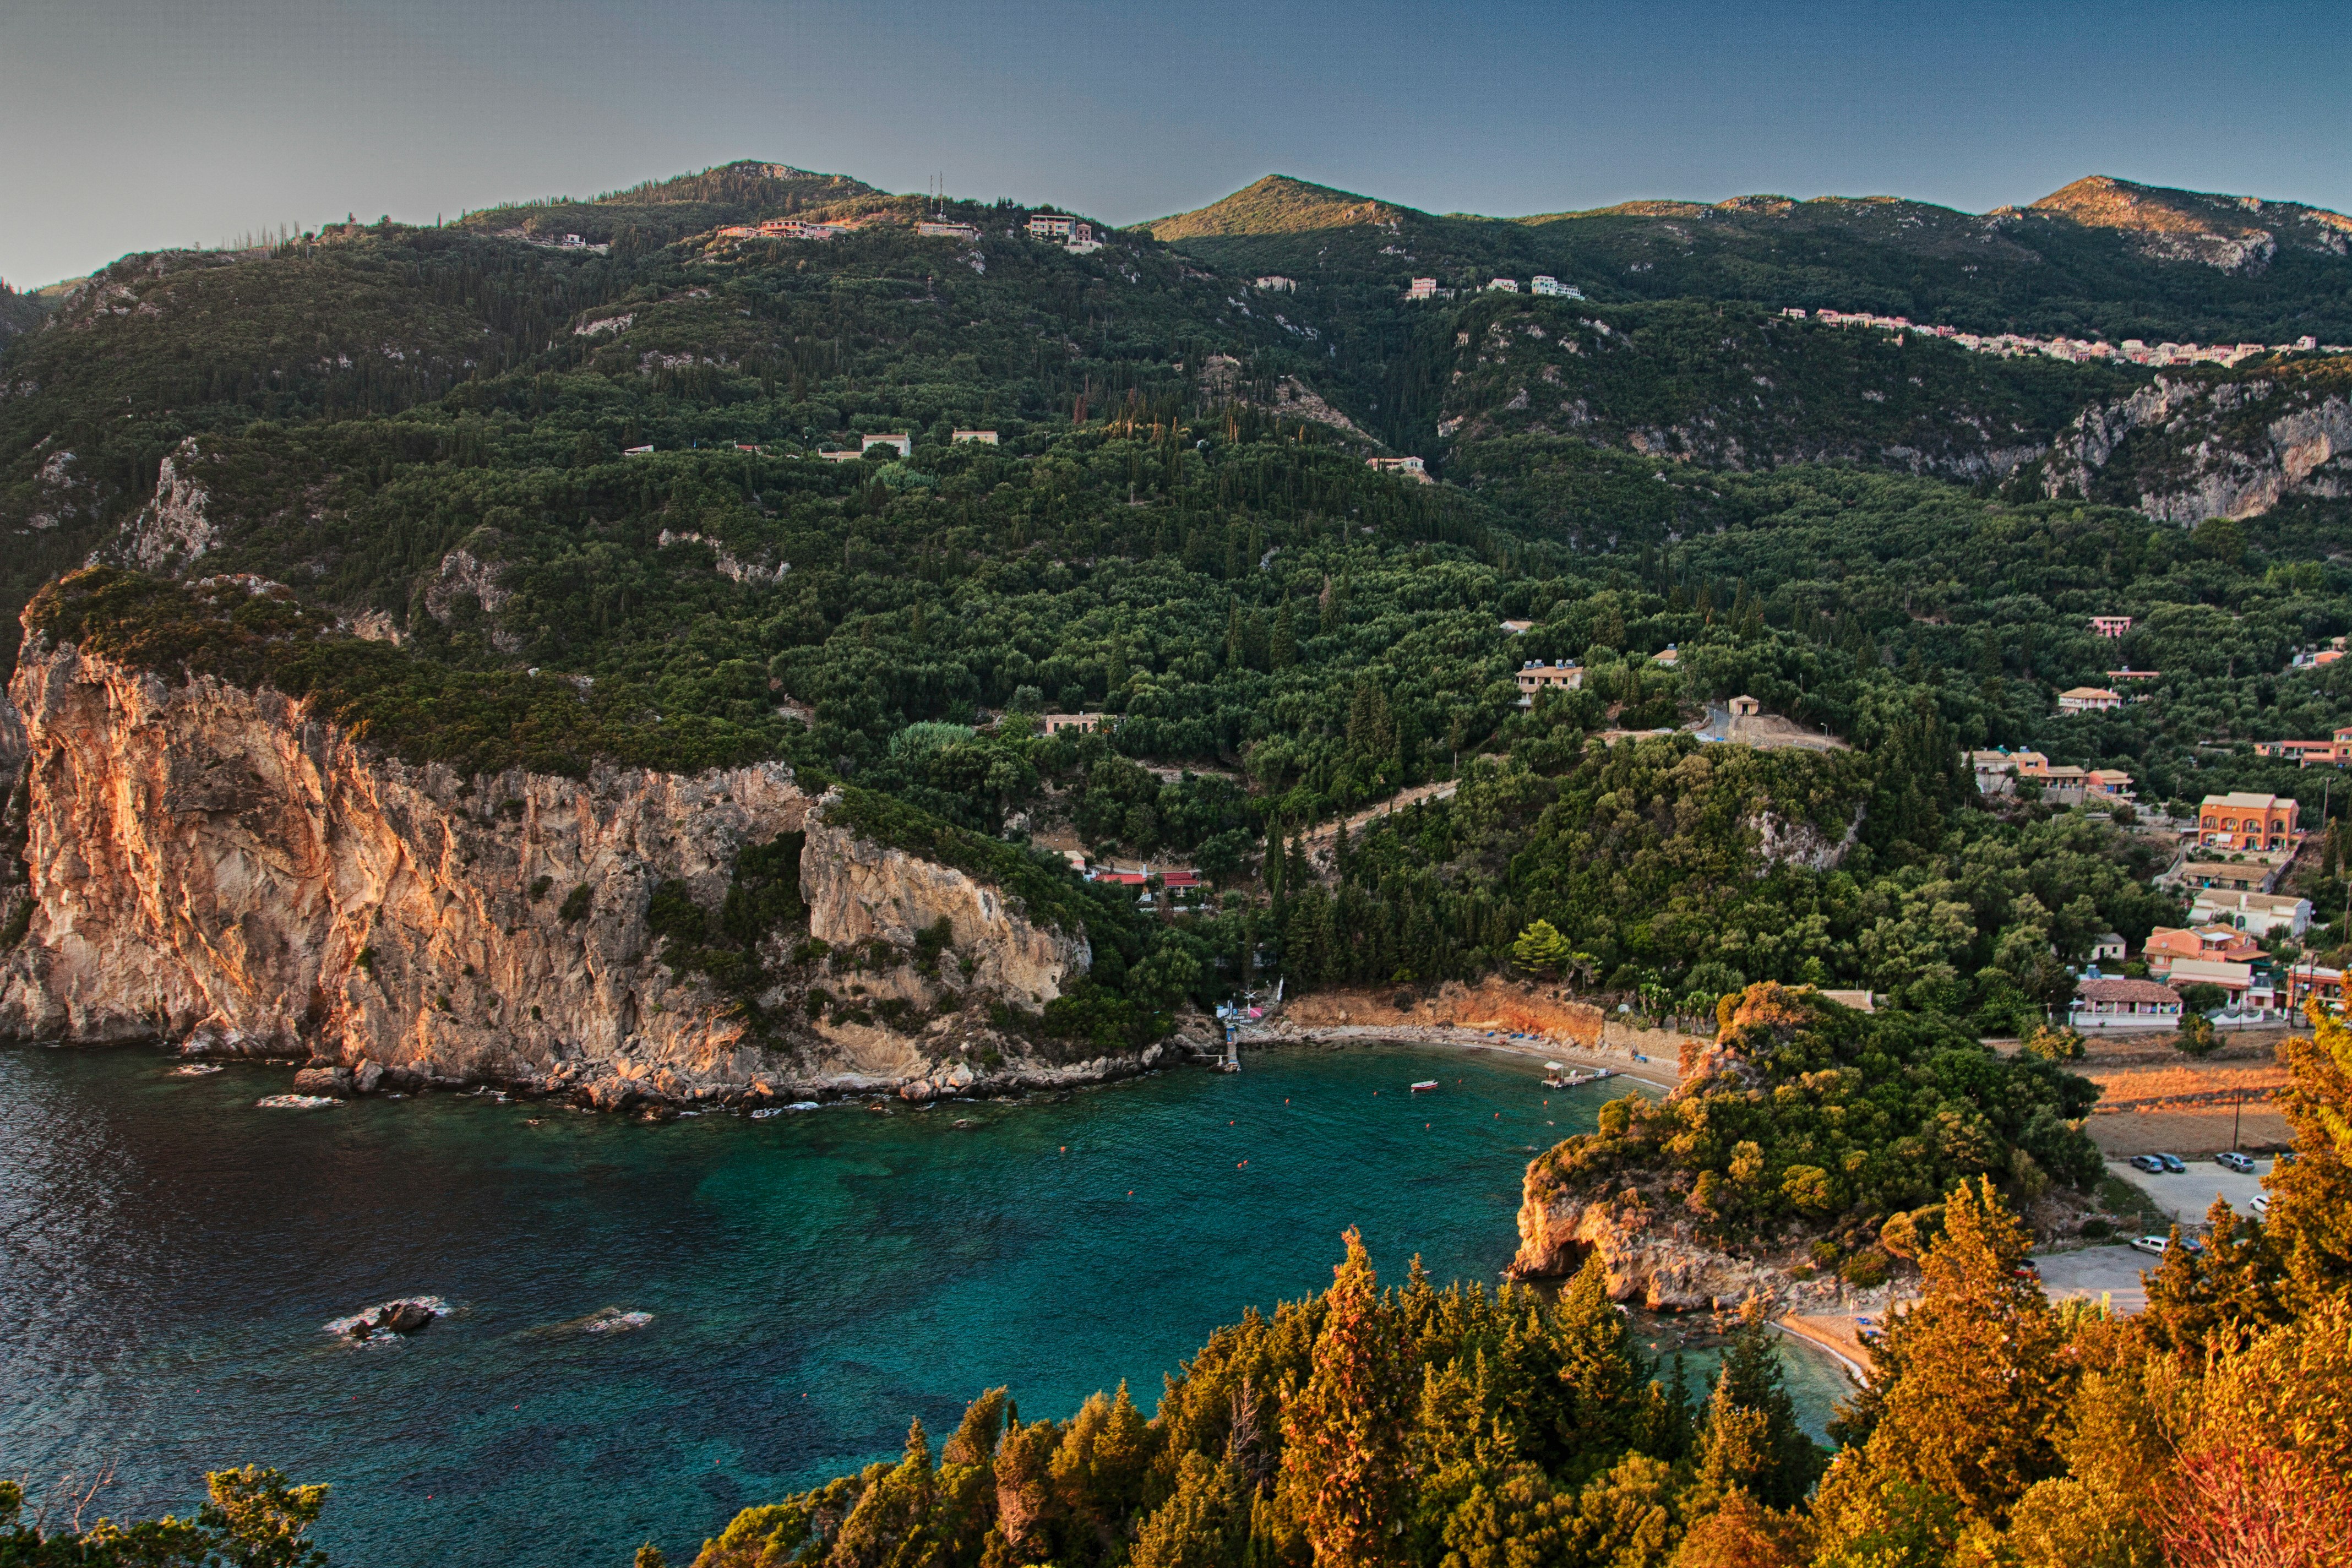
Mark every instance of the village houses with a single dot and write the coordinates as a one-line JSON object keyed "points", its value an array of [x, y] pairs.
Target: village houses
{"points": [[2110, 626]]}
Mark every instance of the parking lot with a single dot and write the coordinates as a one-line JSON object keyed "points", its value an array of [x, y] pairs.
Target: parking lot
{"points": [[2187, 1197], [2096, 1271]]}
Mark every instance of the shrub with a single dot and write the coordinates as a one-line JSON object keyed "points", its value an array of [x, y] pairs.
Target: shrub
{"points": [[1865, 1270], [575, 904]]}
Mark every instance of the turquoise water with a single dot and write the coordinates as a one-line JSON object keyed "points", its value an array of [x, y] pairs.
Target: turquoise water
{"points": [[169, 1255]]}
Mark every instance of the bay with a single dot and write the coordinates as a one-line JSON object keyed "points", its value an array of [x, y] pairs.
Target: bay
{"points": [[170, 1257]]}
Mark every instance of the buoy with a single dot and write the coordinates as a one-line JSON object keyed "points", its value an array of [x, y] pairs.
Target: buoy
{"points": [[1244, 1163]]}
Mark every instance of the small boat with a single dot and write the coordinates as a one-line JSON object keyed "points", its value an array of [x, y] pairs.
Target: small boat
{"points": [[1424, 1085], [765, 1111]]}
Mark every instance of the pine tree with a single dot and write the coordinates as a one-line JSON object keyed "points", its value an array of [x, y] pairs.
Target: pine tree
{"points": [[1542, 950], [1970, 1385], [1343, 1460], [1285, 651], [1204, 1524]]}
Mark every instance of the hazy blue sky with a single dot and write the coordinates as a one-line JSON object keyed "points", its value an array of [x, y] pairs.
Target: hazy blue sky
{"points": [[137, 123]]}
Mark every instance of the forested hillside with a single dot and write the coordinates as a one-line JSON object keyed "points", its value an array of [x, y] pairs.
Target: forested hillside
{"points": [[495, 455]]}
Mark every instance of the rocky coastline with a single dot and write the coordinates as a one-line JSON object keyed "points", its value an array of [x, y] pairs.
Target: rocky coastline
{"points": [[221, 870]]}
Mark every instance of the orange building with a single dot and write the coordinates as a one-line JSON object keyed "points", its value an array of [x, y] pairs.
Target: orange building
{"points": [[2240, 820]]}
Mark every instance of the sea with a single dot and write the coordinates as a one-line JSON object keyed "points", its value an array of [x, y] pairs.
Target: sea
{"points": [[643, 1328]]}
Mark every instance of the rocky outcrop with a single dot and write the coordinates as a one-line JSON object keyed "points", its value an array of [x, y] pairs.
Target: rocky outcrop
{"points": [[1650, 1261], [171, 530], [217, 868], [859, 892], [2184, 450]]}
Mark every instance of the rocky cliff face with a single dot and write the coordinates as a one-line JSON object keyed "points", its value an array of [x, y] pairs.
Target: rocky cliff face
{"points": [[1650, 1260], [2184, 450], [862, 893], [216, 867]]}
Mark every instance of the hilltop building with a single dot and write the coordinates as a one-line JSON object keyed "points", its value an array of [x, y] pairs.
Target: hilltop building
{"points": [[1410, 467], [1502, 286], [1052, 226], [984, 437], [1422, 288], [933, 229], [2088, 699], [906, 444], [1541, 284], [1084, 723], [2110, 626], [1537, 678]]}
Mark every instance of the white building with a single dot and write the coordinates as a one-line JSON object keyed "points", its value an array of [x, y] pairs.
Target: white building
{"points": [[1052, 226], [906, 444], [1542, 284], [1277, 285], [2088, 699], [934, 230], [1407, 467], [1503, 285], [2257, 914], [984, 437]]}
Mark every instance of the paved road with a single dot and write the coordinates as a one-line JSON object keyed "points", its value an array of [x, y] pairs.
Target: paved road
{"points": [[2187, 1197]]}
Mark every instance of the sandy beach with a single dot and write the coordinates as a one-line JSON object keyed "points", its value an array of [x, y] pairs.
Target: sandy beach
{"points": [[1650, 1071]]}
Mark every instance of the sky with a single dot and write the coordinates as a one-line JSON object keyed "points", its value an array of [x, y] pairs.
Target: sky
{"points": [[137, 124]]}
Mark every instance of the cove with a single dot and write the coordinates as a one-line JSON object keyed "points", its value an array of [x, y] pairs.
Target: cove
{"points": [[169, 1255]]}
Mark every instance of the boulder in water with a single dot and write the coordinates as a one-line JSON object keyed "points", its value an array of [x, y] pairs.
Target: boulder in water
{"points": [[332, 1082], [369, 1077], [403, 1317]]}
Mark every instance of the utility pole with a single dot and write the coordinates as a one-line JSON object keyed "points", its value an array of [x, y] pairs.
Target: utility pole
{"points": [[2237, 1113]]}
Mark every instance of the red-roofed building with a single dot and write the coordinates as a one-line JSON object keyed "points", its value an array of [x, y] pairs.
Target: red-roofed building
{"points": [[2124, 1005]]}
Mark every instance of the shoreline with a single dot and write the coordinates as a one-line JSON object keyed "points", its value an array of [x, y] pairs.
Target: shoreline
{"points": [[617, 1095], [1847, 1348]]}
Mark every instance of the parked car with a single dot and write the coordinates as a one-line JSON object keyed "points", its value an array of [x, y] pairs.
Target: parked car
{"points": [[2154, 1244], [2230, 1160], [2149, 1163], [2028, 1269], [2263, 1206], [2172, 1164]]}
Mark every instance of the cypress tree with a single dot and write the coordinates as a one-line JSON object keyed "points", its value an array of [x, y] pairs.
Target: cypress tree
{"points": [[1343, 1458]]}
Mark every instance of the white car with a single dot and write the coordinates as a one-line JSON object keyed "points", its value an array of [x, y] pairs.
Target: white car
{"points": [[2152, 1244], [2263, 1206]]}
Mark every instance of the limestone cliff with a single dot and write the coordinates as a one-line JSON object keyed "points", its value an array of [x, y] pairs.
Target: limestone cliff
{"points": [[2182, 449], [217, 868], [859, 891]]}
